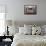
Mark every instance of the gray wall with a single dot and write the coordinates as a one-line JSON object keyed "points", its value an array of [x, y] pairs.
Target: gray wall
{"points": [[15, 9]]}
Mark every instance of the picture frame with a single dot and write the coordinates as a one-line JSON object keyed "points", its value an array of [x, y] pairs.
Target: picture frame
{"points": [[30, 9]]}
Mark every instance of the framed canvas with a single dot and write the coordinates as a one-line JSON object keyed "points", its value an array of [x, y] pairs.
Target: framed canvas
{"points": [[30, 9]]}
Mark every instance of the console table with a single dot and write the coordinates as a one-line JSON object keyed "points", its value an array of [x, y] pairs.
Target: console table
{"points": [[5, 43]]}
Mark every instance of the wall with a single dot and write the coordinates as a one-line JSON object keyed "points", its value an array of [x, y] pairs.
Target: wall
{"points": [[15, 9]]}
